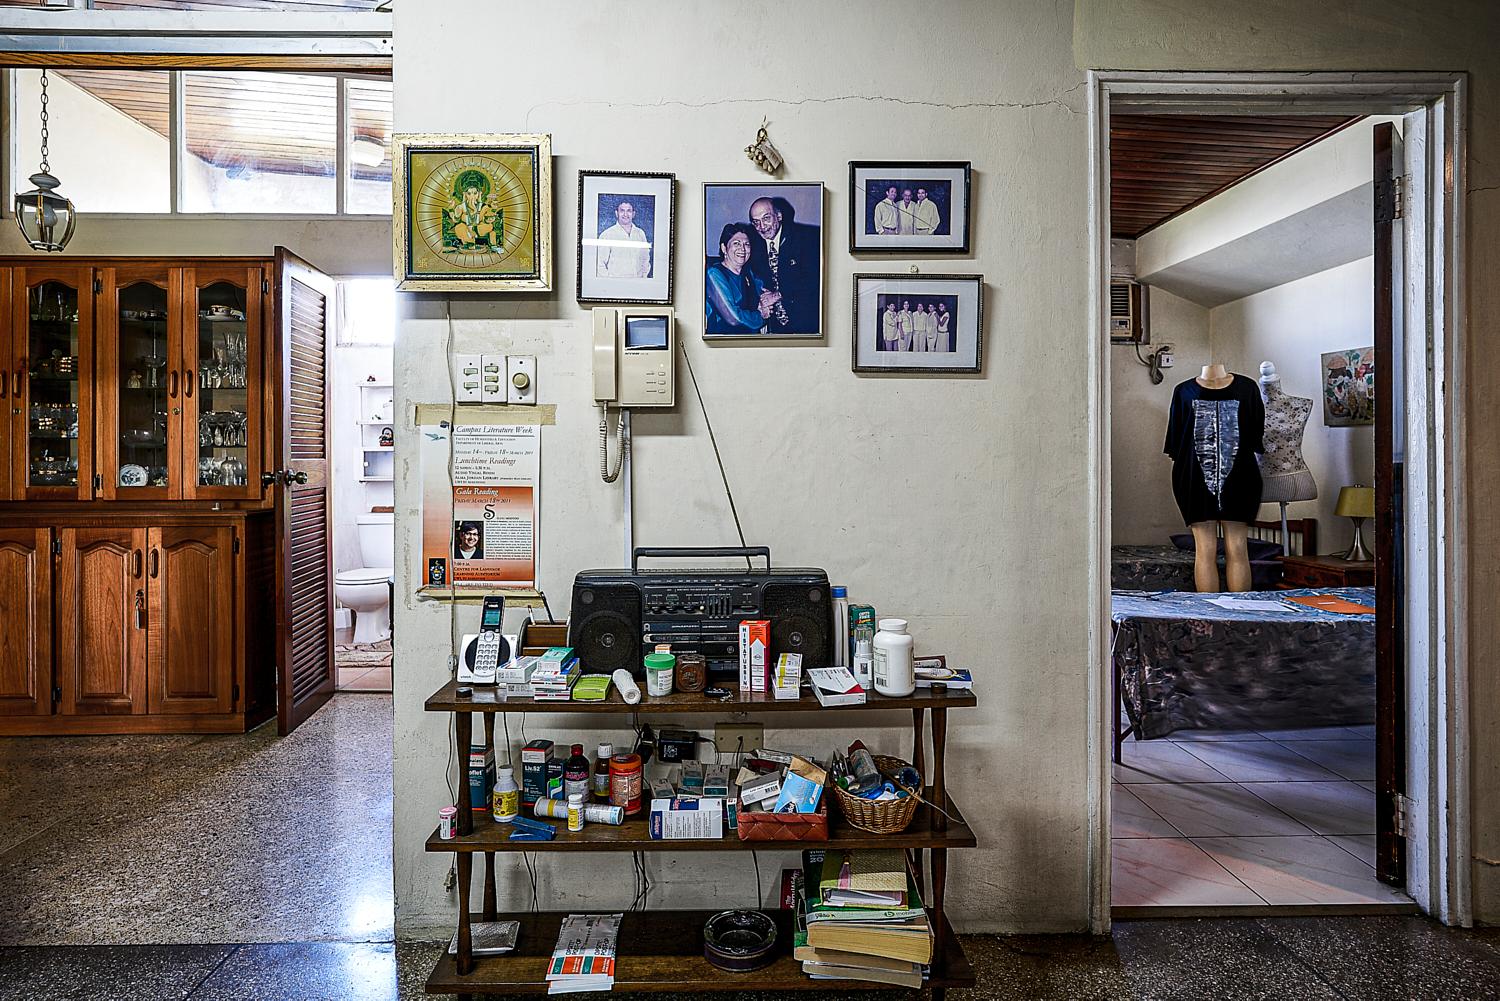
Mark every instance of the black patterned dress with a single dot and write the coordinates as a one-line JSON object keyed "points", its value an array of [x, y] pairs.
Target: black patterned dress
{"points": [[1213, 436]]}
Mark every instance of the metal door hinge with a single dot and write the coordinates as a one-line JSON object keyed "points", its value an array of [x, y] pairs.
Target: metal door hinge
{"points": [[265, 286], [56, 695], [56, 547], [1401, 805], [98, 481], [1388, 202], [98, 285], [236, 543], [234, 695]]}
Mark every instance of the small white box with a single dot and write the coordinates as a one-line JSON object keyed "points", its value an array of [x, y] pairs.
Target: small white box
{"points": [[466, 379], [788, 676], [492, 379], [682, 819]]}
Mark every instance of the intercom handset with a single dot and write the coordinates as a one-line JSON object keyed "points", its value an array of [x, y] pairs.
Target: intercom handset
{"points": [[486, 651], [634, 353]]}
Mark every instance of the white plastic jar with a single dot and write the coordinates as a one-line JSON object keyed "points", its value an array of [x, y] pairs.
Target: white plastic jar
{"points": [[893, 670]]}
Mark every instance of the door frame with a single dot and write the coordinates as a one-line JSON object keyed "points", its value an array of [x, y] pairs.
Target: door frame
{"points": [[1437, 728]]}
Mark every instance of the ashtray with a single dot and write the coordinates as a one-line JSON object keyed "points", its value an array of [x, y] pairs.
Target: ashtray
{"points": [[739, 940]]}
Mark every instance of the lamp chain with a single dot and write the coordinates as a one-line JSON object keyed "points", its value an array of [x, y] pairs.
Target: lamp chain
{"points": [[45, 168]]}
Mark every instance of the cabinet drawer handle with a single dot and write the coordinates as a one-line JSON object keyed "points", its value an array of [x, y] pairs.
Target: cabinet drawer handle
{"points": [[139, 565], [188, 383], [172, 384], [155, 562], [140, 609]]}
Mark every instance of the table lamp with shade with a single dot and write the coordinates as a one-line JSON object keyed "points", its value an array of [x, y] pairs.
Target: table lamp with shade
{"points": [[1357, 502]]}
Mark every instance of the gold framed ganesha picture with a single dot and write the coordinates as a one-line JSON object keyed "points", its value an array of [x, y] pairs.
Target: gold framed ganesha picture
{"points": [[472, 212]]}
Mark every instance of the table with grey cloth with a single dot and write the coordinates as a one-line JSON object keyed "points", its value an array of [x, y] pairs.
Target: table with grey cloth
{"points": [[1183, 663]]}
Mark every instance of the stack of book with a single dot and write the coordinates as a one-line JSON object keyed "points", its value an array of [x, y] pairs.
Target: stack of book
{"points": [[556, 671], [861, 918]]}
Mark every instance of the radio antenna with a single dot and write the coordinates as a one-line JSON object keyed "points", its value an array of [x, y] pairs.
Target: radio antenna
{"points": [[715, 442]]}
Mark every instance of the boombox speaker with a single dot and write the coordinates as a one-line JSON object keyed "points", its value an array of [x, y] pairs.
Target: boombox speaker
{"points": [[620, 615]]}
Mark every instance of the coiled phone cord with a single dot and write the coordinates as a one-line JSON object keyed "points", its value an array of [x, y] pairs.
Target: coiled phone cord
{"points": [[621, 444]]}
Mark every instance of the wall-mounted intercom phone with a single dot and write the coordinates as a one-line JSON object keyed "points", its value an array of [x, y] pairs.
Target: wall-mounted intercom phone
{"points": [[486, 650], [634, 350]]}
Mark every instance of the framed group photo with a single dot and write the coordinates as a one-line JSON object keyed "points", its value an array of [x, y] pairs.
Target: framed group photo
{"points": [[625, 226], [472, 213], [763, 259], [918, 323], [898, 206]]}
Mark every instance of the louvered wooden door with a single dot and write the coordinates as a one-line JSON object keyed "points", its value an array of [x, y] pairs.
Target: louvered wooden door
{"points": [[299, 479]]}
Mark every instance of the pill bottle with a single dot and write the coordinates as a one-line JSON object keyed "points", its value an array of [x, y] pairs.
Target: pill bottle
{"points": [[659, 674], [893, 668], [575, 812]]}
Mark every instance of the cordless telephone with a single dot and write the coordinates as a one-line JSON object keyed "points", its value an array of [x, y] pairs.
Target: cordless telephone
{"points": [[485, 651]]}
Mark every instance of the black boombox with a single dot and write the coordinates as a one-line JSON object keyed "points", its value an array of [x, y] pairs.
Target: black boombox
{"points": [[618, 616]]}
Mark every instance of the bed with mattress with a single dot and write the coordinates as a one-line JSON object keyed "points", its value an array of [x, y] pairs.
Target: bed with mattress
{"points": [[1182, 661], [1170, 567]]}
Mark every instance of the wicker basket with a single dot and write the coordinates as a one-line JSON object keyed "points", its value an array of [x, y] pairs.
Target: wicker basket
{"points": [[889, 817], [758, 825]]}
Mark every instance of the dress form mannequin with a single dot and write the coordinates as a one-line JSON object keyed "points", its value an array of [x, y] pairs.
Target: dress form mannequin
{"points": [[1213, 435], [1284, 473]]}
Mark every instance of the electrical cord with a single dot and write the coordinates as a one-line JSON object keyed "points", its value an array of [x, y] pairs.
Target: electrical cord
{"points": [[1154, 364], [713, 440], [622, 445]]}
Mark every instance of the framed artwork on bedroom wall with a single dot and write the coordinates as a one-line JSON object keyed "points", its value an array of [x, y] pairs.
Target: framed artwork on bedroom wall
{"points": [[763, 259], [904, 205], [1349, 387], [472, 213], [625, 226], [932, 324]]}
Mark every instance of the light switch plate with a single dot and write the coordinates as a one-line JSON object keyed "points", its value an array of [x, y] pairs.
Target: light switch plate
{"points": [[492, 379], [524, 365], [466, 378]]}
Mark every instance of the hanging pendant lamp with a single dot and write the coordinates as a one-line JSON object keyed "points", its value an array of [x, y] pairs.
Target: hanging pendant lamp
{"points": [[46, 218]]}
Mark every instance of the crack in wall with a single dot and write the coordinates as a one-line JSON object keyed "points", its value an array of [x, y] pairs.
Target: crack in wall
{"points": [[785, 103]]}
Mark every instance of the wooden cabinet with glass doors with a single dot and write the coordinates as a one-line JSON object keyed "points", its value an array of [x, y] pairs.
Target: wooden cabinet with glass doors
{"points": [[137, 418]]}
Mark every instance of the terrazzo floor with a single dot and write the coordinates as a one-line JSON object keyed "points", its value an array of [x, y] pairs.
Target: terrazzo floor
{"points": [[258, 869], [1207, 819]]}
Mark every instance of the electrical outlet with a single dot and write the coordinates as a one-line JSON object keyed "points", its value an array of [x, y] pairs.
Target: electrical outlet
{"points": [[731, 737]]}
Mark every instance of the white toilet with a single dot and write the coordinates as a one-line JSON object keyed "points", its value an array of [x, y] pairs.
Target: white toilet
{"points": [[365, 588]]}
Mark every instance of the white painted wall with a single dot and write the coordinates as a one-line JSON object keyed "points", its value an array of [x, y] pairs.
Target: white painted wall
{"points": [[1144, 512], [1292, 325], [989, 556]]}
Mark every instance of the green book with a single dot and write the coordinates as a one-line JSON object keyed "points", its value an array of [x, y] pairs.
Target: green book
{"points": [[813, 863]]}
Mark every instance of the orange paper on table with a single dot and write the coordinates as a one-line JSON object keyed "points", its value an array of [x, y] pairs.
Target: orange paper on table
{"points": [[1332, 603]]}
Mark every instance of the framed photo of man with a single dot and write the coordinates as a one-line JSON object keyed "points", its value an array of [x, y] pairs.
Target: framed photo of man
{"points": [[899, 206], [472, 213], [919, 323], [625, 224], [763, 259]]}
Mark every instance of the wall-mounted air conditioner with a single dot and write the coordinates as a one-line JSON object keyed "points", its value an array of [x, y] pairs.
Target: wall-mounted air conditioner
{"points": [[1129, 312]]}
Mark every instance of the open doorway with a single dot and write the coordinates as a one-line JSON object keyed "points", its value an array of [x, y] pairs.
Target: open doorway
{"points": [[362, 399], [1264, 757]]}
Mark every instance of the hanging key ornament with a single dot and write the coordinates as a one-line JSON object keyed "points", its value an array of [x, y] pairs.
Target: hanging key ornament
{"points": [[762, 153]]}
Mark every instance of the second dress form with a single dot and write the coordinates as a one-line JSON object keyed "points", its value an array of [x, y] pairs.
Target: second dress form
{"points": [[1214, 434]]}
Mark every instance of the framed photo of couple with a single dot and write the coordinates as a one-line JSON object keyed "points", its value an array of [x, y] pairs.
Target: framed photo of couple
{"points": [[763, 260], [898, 206], [918, 323], [625, 225]]}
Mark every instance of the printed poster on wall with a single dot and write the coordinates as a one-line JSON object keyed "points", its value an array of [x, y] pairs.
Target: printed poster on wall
{"points": [[480, 527]]}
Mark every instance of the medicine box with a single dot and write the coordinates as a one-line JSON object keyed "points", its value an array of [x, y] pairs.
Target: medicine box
{"points": [[716, 781], [680, 819], [534, 759], [692, 779], [755, 651], [788, 676], [481, 777], [517, 672]]}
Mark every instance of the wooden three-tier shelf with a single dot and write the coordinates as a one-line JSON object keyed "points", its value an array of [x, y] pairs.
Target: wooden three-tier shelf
{"points": [[663, 950]]}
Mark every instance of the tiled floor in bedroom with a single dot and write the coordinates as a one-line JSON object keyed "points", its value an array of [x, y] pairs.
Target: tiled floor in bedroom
{"points": [[1226, 820]]}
